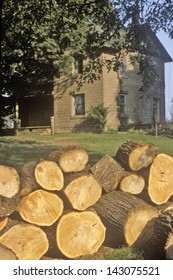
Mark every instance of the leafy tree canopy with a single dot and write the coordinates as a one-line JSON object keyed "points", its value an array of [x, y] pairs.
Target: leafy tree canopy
{"points": [[36, 34]]}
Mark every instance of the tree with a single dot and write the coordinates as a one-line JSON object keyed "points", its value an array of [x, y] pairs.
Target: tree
{"points": [[36, 35]]}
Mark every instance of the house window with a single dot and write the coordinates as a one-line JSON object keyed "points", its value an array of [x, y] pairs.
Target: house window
{"points": [[122, 104], [79, 104], [156, 110]]}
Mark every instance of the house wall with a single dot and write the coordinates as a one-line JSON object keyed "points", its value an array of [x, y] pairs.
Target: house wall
{"points": [[64, 117]]}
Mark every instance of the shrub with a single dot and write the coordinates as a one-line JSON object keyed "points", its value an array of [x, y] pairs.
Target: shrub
{"points": [[125, 253], [98, 117]]}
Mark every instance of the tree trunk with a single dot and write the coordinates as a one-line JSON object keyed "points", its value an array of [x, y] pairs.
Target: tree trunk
{"points": [[49, 176], [6, 253], [27, 177], [113, 209], [28, 242], [108, 172], [135, 156], [132, 183], [160, 186], [169, 247], [79, 234], [82, 190], [41, 208]]}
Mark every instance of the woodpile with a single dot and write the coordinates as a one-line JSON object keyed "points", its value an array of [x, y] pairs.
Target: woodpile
{"points": [[63, 208]]}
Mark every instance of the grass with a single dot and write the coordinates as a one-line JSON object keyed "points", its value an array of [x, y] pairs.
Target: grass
{"points": [[16, 150]]}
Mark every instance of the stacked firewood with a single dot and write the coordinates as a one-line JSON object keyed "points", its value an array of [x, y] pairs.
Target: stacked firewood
{"points": [[62, 207]]}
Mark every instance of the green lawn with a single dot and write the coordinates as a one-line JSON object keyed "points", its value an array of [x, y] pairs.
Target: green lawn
{"points": [[20, 149]]}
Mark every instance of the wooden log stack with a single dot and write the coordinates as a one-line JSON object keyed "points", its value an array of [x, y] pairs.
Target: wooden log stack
{"points": [[63, 208]]}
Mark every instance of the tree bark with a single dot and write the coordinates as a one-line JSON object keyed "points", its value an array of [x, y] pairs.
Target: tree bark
{"points": [[135, 155], [169, 247], [27, 177], [108, 172], [79, 234], [41, 208], [160, 187]]}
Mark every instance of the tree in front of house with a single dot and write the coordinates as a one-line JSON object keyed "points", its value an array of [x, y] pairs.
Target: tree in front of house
{"points": [[36, 35]]}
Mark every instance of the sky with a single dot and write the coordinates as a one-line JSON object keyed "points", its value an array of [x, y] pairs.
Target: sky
{"points": [[168, 45]]}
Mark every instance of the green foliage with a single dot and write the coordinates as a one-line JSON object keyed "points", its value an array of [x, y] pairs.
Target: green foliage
{"points": [[125, 253], [98, 116]]}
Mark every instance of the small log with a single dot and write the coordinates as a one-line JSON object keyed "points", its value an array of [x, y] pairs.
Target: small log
{"points": [[9, 181], [28, 242], [160, 187], [113, 209], [49, 176], [6, 253], [135, 155], [73, 160], [108, 172], [79, 234], [41, 208], [83, 190], [9, 190], [27, 178], [169, 247], [132, 183]]}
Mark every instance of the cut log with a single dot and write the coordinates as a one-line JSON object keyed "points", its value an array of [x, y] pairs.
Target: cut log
{"points": [[8, 205], [135, 155], [79, 234], [113, 209], [82, 191], [9, 181], [136, 221], [108, 172], [49, 176], [28, 242], [41, 208], [27, 178], [160, 186], [73, 160], [169, 247], [153, 237], [6, 253], [132, 183]]}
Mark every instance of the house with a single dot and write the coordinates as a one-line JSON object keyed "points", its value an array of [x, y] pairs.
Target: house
{"points": [[66, 109]]}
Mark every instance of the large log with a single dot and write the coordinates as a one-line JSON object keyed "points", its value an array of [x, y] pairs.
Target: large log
{"points": [[108, 172], [135, 155], [28, 242], [82, 190], [41, 208], [113, 209], [49, 175], [79, 234], [9, 190], [160, 187], [6, 253], [3, 222]]}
